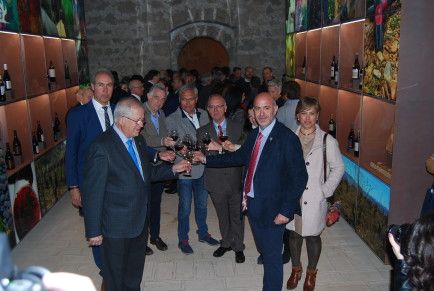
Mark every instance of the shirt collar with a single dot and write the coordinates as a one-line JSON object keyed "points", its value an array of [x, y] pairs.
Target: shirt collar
{"points": [[155, 115], [99, 106], [222, 124], [188, 115], [266, 131], [121, 134]]}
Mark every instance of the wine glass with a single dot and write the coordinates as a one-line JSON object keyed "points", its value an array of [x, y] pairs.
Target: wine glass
{"points": [[222, 139], [174, 135], [206, 140]]}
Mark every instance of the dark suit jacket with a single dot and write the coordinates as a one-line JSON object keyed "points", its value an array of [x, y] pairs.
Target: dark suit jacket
{"points": [[115, 196], [149, 132], [280, 176], [224, 180], [83, 128]]}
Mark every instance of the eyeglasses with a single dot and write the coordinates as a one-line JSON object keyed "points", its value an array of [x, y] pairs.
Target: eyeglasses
{"points": [[139, 121], [211, 107]]}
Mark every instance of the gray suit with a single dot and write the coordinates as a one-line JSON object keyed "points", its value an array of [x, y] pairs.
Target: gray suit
{"points": [[153, 139], [115, 202], [225, 188], [179, 121]]}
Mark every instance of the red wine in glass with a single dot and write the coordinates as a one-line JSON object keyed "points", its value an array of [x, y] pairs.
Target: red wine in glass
{"points": [[174, 137], [223, 138], [178, 146], [206, 140]]}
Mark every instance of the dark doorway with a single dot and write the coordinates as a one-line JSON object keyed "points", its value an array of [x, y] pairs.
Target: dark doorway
{"points": [[203, 53]]}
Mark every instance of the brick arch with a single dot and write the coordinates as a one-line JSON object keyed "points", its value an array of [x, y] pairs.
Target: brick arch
{"points": [[220, 32]]}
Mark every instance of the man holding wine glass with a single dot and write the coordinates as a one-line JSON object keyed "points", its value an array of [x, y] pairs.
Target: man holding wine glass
{"points": [[186, 120], [225, 196], [274, 179], [156, 135]]}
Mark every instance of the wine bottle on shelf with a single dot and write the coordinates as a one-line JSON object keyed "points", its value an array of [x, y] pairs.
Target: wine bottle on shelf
{"points": [[336, 79], [332, 70], [9, 158], [40, 135], [16, 148], [2, 90], [35, 144], [56, 127], [355, 74], [332, 126], [303, 67], [350, 139], [357, 144], [361, 77], [67, 75], [7, 78], [51, 77]]}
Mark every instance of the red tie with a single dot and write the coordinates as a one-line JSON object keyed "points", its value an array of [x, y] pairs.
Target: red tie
{"points": [[220, 130], [251, 171]]}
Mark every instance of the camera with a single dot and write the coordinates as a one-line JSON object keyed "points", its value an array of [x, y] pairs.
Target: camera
{"points": [[401, 234]]}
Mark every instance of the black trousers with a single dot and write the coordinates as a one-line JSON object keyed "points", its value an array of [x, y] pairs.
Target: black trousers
{"points": [[124, 261], [155, 209]]}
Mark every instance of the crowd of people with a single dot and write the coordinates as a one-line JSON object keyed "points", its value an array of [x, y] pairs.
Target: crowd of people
{"points": [[254, 146]]}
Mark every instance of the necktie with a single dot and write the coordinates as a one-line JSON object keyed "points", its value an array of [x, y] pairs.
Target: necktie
{"points": [[251, 171], [132, 153], [220, 133], [106, 117]]}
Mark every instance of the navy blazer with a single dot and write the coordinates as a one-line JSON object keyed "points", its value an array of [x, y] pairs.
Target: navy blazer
{"points": [[115, 196], [280, 176], [83, 127]]}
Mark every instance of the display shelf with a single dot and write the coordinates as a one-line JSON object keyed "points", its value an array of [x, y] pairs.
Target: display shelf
{"points": [[35, 69], [54, 54], [10, 49], [351, 44], [345, 119], [9, 114], [71, 99], [70, 58], [329, 49], [328, 99], [39, 108], [313, 55], [300, 55], [59, 107], [377, 135]]}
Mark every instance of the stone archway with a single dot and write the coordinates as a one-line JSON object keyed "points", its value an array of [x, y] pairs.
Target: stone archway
{"points": [[202, 54], [181, 35]]}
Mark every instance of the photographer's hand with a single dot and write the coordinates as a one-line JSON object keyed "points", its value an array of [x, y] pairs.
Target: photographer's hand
{"points": [[395, 247]]}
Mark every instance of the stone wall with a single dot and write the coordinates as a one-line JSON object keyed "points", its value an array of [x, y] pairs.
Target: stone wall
{"points": [[133, 36]]}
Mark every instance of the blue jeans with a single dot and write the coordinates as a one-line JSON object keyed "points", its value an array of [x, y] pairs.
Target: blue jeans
{"points": [[186, 189]]}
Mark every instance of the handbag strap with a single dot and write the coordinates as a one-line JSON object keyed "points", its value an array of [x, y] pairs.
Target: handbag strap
{"points": [[324, 151]]}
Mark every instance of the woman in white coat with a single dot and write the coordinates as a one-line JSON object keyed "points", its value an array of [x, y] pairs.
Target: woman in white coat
{"points": [[313, 202]]}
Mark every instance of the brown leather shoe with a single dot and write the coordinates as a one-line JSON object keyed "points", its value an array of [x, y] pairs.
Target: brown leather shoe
{"points": [[294, 278], [309, 282]]}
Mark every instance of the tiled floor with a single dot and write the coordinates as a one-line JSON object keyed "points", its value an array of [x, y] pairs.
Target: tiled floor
{"points": [[58, 243]]}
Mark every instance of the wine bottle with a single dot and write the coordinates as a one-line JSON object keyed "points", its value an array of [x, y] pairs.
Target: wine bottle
{"points": [[7, 78], [67, 74], [303, 67], [357, 144], [350, 140], [16, 148], [332, 126], [52, 73], [332, 69], [9, 158], [56, 127], [361, 78], [35, 144], [2, 90], [336, 79], [40, 135], [355, 74]]}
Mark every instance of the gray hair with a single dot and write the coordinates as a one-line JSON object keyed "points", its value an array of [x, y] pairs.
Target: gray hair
{"points": [[125, 106], [156, 86], [274, 83], [188, 87], [206, 79], [102, 71]]}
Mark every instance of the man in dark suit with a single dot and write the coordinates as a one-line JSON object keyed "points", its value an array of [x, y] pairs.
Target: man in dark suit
{"points": [[274, 180], [116, 190], [224, 184], [84, 124]]}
